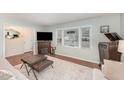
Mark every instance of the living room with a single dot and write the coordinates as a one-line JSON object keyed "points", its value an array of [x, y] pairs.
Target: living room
{"points": [[66, 46], [69, 42]]}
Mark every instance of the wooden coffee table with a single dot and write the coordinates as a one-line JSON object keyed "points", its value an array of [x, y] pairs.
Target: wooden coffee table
{"points": [[37, 63]]}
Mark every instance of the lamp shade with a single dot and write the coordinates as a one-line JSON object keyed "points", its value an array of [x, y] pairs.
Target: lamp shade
{"points": [[121, 46]]}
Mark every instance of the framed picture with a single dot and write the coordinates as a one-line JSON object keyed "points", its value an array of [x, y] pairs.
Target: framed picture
{"points": [[104, 29]]}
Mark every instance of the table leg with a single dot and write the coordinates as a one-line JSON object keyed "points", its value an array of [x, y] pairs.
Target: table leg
{"points": [[29, 70], [26, 69], [52, 66], [34, 74], [22, 66]]}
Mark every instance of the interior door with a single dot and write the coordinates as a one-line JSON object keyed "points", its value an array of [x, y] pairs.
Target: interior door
{"points": [[28, 40]]}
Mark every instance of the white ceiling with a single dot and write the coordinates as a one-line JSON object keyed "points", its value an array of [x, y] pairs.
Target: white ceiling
{"points": [[51, 18]]}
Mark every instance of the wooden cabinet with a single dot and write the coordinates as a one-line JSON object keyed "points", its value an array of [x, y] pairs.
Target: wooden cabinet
{"points": [[108, 50]]}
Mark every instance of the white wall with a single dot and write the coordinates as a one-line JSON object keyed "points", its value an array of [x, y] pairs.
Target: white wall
{"points": [[1, 41], [14, 46], [90, 54], [122, 24], [122, 31]]}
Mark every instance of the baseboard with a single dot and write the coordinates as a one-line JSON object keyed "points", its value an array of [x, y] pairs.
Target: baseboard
{"points": [[97, 62], [28, 52], [14, 55]]}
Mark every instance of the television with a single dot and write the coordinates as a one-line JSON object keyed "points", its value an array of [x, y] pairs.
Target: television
{"points": [[44, 36]]}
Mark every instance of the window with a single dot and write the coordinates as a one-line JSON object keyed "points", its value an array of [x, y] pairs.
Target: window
{"points": [[85, 36], [59, 37], [71, 37], [74, 37]]}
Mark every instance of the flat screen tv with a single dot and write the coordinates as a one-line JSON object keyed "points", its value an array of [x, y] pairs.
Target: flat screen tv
{"points": [[44, 36]]}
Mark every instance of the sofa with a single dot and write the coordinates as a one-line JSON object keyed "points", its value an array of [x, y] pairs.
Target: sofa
{"points": [[8, 69], [111, 70]]}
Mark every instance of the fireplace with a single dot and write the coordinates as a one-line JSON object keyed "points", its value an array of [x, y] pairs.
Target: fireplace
{"points": [[44, 47], [44, 51]]}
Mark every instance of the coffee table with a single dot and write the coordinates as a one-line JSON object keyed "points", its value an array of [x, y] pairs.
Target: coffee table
{"points": [[37, 63]]}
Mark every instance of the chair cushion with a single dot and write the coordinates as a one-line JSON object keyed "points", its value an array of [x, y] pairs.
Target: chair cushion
{"points": [[113, 70], [33, 59], [6, 75], [42, 65]]}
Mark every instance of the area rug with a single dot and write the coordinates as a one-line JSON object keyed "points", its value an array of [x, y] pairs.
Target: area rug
{"points": [[63, 70]]}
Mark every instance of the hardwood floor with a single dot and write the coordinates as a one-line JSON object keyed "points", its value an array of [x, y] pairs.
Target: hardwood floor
{"points": [[78, 61], [15, 60]]}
